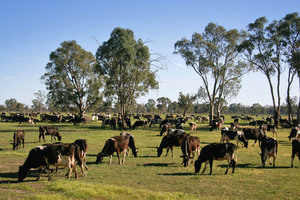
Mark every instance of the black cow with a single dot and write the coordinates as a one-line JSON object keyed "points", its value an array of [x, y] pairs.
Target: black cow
{"points": [[117, 144], [19, 137], [253, 134], [49, 130], [227, 135], [216, 125], [269, 147], [189, 145], [169, 141], [51, 154], [139, 123], [257, 123], [217, 151], [293, 133], [295, 150]]}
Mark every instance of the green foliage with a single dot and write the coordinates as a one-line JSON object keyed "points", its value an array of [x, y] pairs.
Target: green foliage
{"points": [[71, 79], [186, 101]]}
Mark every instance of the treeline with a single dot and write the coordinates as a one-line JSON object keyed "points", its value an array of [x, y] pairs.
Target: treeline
{"points": [[12, 105]]}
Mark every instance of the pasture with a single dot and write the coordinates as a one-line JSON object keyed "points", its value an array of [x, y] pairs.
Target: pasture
{"points": [[147, 176]]}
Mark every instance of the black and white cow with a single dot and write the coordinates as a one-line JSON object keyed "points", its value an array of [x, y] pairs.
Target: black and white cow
{"points": [[42, 157], [190, 145], [82, 144], [139, 123], [117, 144], [227, 135], [293, 133], [164, 128], [169, 141], [49, 130], [253, 134], [175, 131], [217, 151], [269, 147], [19, 137], [193, 126], [295, 149]]}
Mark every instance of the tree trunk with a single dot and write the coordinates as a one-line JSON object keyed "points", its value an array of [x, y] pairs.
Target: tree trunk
{"points": [[211, 115], [298, 110]]}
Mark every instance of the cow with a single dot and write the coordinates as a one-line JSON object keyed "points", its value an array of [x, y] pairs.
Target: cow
{"points": [[164, 128], [117, 144], [193, 126], [49, 130], [42, 157], [178, 125], [82, 143], [295, 149], [257, 123], [169, 141], [175, 131], [189, 145], [253, 134], [268, 127], [216, 125], [217, 151], [269, 147], [293, 133], [19, 137], [139, 123], [233, 135]]}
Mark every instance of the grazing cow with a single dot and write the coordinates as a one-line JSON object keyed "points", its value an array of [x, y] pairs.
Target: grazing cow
{"points": [[139, 123], [49, 130], [175, 131], [189, 145], [51, 154], [164, 128], [117, 144], [193, 126], [293, 133], [233, 135], [295, 149], [169, 141], [268, 127], [216, 125], [217, 151], [269, 147], [19, 137], [253, 134], [82, 143]]}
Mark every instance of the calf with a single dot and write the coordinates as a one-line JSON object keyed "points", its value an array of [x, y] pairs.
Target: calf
{"points": [[117, 144], [19, 137], [233, 135], [295, 149], [51, 154], [217, 151], [269, 147], [189, 145], [293, 133], [49, 130], [193, 126], [253, 134], [169, 141]]}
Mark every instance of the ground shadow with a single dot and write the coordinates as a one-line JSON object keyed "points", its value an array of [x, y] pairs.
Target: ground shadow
{"points": [[177, 174], [159, 164]]}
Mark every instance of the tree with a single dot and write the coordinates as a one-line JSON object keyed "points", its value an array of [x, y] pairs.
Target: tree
{"points": [[71, 78], [126, 64], [185, 102], [289, 28], [263, 49], [150, 105], [38, 103], [163, 104], [13, 105], [213, 57]]}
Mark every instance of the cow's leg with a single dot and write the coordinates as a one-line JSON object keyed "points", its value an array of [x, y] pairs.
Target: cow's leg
{"points": [[172, 151], [118, 155], [40, 174], [23, 142], [254, 142], [84, 162], [124, 155], [204, 167], [211, 165], [292, 160], [274, 158], [110, 159], [167, 151], [193, 157]]}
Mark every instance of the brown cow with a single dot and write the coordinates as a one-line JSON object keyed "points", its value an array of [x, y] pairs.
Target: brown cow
{"points": [[19, 137]]}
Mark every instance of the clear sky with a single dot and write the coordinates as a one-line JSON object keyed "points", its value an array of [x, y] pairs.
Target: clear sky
{"points": [[31, 29]]}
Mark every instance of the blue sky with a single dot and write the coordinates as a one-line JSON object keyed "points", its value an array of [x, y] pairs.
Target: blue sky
{"points": [[30, 30]]}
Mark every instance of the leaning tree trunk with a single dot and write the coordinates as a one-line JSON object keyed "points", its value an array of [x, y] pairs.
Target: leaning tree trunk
{"points": [[211, 115]]}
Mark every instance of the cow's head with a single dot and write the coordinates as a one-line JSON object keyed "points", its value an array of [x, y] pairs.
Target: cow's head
{"points": [[22, 173], [159, 151], [99, 158], [59, 136], [197, 166], [134, 151]]}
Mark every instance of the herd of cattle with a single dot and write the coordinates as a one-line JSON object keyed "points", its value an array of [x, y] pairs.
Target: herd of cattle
{"points": [[72, 154]]}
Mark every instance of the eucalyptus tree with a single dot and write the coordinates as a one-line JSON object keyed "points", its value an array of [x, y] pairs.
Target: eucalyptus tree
{"points": [[150, 105], [38, 104], [126, 64], [289, 28], [71, 80], [185, 102], [263, 49], [214, 58], [162, 104]]}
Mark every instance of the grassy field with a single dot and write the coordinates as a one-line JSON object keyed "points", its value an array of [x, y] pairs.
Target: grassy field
{"points": [[147, 176]]}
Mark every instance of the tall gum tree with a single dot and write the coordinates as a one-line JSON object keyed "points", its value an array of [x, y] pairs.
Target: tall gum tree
{"points": [[214, 58], [71, 80], [126, 64]]}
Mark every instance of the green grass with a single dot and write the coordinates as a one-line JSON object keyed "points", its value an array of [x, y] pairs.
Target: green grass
{"points": [[147, 176]]}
